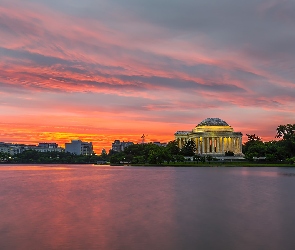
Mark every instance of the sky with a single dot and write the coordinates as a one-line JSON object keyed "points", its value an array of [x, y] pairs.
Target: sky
{"points": [[100, 70]]}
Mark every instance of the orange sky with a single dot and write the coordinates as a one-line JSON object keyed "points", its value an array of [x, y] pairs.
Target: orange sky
{"points": [[106, 70]]}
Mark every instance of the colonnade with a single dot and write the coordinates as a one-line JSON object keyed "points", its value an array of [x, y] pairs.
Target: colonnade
{"points": [[214, 145]]}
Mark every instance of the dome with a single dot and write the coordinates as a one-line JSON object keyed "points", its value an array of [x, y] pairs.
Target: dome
{"points": [[213, 125], [212, 122]]}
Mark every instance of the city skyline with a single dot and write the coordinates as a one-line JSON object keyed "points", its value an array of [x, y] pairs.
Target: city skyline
{"points": [[105, 70]]}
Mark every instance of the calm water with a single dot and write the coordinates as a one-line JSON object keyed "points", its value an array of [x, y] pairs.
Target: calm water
{"points": [[101, 207]]}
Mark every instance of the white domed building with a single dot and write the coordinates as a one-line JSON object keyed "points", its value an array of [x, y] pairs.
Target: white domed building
{"points": [[212, 136]]}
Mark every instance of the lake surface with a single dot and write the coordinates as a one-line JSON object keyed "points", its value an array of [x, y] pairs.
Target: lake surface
{"points": [[102, 207]]}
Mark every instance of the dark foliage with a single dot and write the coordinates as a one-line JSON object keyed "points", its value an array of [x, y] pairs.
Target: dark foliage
{"points": [[273, 151], [32, 156], [148, 153], [189, 148]]}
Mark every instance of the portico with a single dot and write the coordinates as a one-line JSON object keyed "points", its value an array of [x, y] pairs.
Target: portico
{"points": [[212, 136]]}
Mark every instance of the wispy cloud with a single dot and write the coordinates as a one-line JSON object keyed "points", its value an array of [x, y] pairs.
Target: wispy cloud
{"points": [[145, 63]]}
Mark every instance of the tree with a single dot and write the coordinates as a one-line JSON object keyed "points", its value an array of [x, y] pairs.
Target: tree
{"points": [[172, 148], [209, 158], [189, 148], [179, 158], [291, 160], [229, 153], [254, 147], [256, 150], [253, 137], [4, 157], [197, 158], [117, 158], [159, 155], [104, 155], [138, 160], [287, 133]]}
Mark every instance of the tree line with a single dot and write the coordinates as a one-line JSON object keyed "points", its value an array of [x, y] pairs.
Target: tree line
{"points": [[149, 153], [33, 156], [282, 150]]}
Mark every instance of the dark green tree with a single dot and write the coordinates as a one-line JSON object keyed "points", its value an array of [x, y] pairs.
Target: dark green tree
{"points": [[287, 133], [197, 158], [229, 153], [254, 147], [172, 147], [179, 158], [5, 157], [209, 158], [189, 148], [117, 158]]}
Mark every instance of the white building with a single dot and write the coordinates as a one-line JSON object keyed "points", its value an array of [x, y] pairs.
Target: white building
{"points": [[79, 148], [212, 136]]}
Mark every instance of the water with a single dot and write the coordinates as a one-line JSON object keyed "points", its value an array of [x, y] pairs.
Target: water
{"points": [[102, 207]]}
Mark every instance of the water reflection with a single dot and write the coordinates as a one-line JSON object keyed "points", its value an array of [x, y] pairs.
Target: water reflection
{"points": [[32, 167], [90, 207]]}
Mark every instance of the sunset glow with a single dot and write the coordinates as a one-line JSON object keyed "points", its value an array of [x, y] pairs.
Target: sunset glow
{"points": [[105, 70]]}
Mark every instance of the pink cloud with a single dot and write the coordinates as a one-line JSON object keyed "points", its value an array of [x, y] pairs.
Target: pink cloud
{"points": [[45, 52]]}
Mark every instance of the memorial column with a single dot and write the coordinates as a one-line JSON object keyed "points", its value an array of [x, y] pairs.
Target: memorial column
{"points": [[232, 144], [217, 144], [224, 144], [241, 145], [202, 145]]}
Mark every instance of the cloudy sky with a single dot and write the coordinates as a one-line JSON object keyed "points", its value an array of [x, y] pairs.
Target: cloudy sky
{"points": [[100, 70]]}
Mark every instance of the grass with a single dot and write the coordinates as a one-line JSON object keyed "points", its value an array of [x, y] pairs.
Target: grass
{"points": [[217, 164]]}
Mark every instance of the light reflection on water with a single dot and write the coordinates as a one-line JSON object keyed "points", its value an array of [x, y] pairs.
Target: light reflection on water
{"points": [[102, 207]]}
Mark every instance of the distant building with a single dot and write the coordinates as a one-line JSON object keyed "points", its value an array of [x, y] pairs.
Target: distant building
{"points": [[48, 147], [161, 144], [13, 149], [119, 146], [79, 148], [10, 148]]}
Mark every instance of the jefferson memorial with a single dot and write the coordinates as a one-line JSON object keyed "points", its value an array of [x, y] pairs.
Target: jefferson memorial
{"points": [[212, 136]]}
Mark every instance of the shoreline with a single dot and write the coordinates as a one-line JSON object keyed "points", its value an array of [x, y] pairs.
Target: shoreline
{"points": [[233, 164], [191, 164]]}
